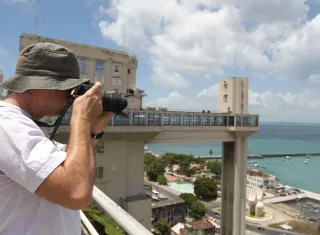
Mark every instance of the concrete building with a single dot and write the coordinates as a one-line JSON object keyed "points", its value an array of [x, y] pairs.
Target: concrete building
{"points": [[116, 70], [119, 156], [233, 95], [259, 179], [1, 80]]}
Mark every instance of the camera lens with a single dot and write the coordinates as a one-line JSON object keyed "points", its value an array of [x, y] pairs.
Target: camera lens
{"points": [[114, 103]]}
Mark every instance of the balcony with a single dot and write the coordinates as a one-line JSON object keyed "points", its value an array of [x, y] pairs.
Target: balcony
{"points": [[126, 221]]}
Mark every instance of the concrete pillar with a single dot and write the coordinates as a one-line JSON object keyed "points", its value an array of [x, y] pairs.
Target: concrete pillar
{"points": [[233, 205], [123, 178]]}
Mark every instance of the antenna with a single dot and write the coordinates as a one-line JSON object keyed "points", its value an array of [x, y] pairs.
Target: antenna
{"points": [[36, 18], [235, 62]]}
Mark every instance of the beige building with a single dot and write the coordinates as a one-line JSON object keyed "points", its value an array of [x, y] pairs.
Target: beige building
{"points": [[233, 95], [116, 70]]}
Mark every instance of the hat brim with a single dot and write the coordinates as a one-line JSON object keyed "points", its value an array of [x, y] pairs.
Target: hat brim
{"points": [[21, 83]]}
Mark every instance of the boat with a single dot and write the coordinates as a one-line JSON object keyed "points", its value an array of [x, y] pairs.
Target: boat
{"points": [[287, 157], [306, 161], [256, 164]]}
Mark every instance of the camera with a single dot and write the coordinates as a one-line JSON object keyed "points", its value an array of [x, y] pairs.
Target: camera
{"points": [[111, 102]]}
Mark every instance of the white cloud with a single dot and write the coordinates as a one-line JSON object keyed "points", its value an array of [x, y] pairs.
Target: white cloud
{"points": [[272, 106], [198, 38], [18, 1]]}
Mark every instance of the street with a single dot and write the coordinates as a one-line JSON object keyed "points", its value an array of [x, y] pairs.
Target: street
{"points": [[254, 228]]}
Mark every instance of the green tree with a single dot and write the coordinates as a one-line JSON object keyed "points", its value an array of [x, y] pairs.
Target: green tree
{"points": [[148, 159], [319, 229], [197, 210], [210, 152], [189, 198], [215, 167], [162, 227], [162, 180], [205, 188], [154, 170]]}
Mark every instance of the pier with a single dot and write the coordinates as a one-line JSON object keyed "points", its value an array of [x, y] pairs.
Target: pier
{"points": [[267, 155]]}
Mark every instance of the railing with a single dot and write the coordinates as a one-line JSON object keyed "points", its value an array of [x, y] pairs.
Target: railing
{"points": [[125, 220], [166, 118]]}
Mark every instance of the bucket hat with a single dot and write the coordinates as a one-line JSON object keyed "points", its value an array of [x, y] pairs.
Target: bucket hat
{"points": [[46, 66]]}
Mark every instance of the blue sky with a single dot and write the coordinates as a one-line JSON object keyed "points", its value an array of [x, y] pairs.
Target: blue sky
{"points": [[185, 49]]}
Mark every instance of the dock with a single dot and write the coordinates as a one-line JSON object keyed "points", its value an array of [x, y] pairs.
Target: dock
{"points": [[267, 155]]}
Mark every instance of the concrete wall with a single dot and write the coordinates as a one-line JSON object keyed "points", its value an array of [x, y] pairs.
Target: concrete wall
{"points": [[233, 95]]}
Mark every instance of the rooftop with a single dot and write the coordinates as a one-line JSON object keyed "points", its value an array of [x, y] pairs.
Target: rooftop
{"points": [[201, 225], [257, 173]]}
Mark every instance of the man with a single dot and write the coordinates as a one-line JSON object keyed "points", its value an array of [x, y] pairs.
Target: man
{"points": [[43, 185]]}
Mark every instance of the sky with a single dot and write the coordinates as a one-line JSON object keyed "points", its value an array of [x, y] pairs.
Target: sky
{"points": [[184, 47]]}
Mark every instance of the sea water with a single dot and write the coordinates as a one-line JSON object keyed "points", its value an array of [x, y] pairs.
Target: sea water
{"points": [[271, 139]]}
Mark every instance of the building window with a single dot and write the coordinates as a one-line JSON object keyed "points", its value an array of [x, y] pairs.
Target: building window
{"points": [[242, 106], [242, 84], [116, 68], [99, 173], [100, 147], [225, 98], [99, 67], [83, 65], [129, 71], [225, 86], [242, 95], [116, 82]]}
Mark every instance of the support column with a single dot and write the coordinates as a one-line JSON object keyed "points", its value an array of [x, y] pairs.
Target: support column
{"points": [[234, 171], [123, 178]]}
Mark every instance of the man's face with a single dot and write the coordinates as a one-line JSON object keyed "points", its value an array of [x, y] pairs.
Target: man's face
{"points": [[52, 101]]}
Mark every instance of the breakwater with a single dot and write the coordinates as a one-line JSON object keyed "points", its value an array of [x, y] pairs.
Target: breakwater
{"points": [[269, 155]]}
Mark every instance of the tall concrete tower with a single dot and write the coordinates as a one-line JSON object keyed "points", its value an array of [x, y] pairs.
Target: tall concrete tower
{"points": [[233, 95], [1, 80]]}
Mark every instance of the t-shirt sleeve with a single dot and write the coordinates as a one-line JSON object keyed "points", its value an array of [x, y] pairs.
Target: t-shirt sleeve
{"points": [[27, 156]]}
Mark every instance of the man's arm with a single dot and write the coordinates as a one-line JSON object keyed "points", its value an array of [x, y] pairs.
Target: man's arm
{"points": [[71, 183]]}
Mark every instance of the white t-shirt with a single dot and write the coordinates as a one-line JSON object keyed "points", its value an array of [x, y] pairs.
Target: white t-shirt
{"points": [[27, 157]]}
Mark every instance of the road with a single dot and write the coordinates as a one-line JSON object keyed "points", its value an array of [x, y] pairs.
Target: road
{"points": [[254, 228]]}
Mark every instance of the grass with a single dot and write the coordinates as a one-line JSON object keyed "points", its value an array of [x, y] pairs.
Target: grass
{"points": [[298, 226], [110, 226]]}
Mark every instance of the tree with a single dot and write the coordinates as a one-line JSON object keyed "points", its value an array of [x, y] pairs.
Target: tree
{"points": [[205, 188], [215, 167], [162, 180], [197, 210], [162, 227], [149, 158], [189, 198], [210, 152], [154, 170], [319, 229]]}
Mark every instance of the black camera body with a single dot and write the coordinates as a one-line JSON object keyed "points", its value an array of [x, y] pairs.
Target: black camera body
{"points": [[111, 102]]}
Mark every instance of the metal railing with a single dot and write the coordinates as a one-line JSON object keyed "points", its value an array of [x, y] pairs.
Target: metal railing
{"points": [[173, 118], [125, 220]]}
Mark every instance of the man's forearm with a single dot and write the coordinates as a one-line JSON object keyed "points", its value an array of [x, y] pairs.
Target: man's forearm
{"points": [[80, 161]]}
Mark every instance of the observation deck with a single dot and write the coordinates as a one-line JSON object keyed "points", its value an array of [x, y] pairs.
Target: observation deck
{"points": [[154, 126]]}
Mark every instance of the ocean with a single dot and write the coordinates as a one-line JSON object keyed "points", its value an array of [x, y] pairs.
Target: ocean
{"points": [[272, 138]]}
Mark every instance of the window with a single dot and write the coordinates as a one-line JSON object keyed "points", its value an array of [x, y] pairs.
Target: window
{"points": [[225, 98], [116, 68], [242, 95], [116, 82], [99, 67], [116, 90], [99, 173], [242, 106], [225, 86], [83, 65], [129, 71], [100, 147]]}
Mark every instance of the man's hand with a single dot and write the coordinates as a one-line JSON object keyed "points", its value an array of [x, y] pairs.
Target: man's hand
{"points": [[101, 123]]}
